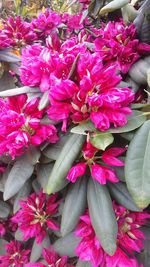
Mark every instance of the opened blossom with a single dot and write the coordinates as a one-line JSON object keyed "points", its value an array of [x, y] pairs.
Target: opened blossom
{"points": [[45, 23], [52, 259], [95, 96], [35, 216], [15, 255], [118, 43], [20, 125], [94, 159], [129, 240], [42, 65], [18, 31]]}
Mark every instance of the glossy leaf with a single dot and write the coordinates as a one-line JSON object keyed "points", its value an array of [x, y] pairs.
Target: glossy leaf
{"points": [[74, 206], [18, 91], [22, 194], [64, 162], [44, 101], [19, 174], [120, 193], [137, 172], [66, 245], [4, 209], [102, 215], [134, 121], [101, 140], [113, 5], [36, 251]]}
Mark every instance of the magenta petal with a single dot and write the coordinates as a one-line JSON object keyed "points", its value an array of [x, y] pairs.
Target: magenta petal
{"points": [[76, 171], [98, 173]]}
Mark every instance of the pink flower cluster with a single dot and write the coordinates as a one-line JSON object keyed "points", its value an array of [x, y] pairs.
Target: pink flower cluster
{"points": [[52, 259], [92, 158], [20, 125], [129, 240], [35, 216], [16, 32], [118, 43], [15, 255]]}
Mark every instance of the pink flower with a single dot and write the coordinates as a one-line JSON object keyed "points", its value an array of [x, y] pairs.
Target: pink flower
{"points": [[94, 96], [92, 157], [76, 171], [20, 126], [43, 66], [15, 255], [101, 174], [18, 31], [35, 216], [45, 23], [52, 259], [109, 156], [117, 43], [129, 240]]}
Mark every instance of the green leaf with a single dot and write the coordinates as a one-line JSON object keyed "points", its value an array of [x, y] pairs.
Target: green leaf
{"points": [[7, 56], [19, 174], [22, 194], [4, 209], [53, 151], [113, 5], [71, 213], [101, 140], [84, 127], [44, 101], [18, 91], [64, 162], [83, 264], [65, 246], [137, 171], [36, 251], [134, 121], [102, 216], [120, 193]]}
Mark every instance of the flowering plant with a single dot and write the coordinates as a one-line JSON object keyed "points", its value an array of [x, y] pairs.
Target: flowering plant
{"points": [[74, 136]]}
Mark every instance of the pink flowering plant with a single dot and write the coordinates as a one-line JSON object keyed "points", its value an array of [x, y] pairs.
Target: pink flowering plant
{"points": [[74, 136]]}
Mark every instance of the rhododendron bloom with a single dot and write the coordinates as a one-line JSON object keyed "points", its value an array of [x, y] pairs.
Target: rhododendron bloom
{"points": [[129, 239], [94, 96], [52, 259], [92, 157], [118, 43], [20, 125], [42, 65], [35, 216], [15, 255], [46, 22], [18, 31]]}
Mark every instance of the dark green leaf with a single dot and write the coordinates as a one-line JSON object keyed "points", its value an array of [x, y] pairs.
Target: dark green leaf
{"points": [[137, 172], [4, 209], [120, 193], [64, 162], [83, 264], [75, 203], [19, 174], [66, 245], [22, 194], [134, 121], [36, 251], [102, 216]]}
